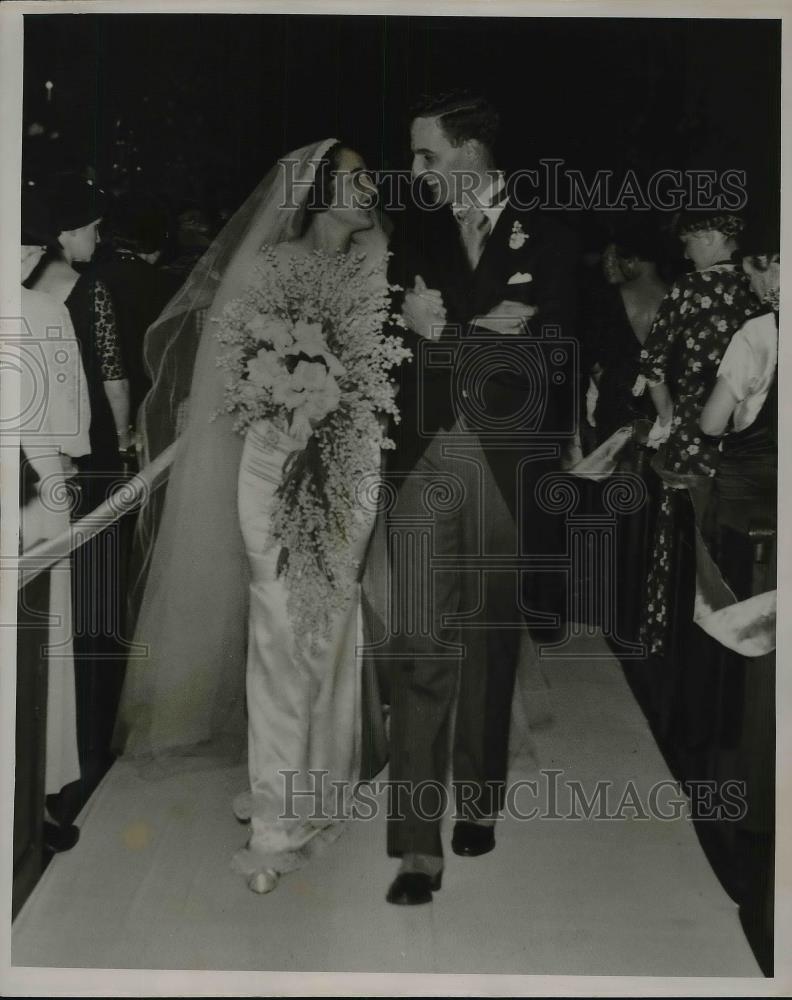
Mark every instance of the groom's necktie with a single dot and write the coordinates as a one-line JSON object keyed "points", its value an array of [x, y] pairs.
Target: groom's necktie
{"points": [[474, 228]]}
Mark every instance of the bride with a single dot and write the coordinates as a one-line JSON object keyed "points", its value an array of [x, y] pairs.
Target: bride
{"points": [[214, 597]]}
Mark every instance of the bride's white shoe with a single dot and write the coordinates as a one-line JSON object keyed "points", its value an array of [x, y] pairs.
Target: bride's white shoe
{"points": [[265, 881], [263, 860]]}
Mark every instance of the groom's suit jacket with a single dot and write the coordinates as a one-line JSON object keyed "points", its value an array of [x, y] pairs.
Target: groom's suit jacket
{"points": [[529, 257]]}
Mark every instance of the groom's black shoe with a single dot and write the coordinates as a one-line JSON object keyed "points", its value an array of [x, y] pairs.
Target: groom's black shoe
{"points": [[413, 888], [470, 840], [60, 838]]}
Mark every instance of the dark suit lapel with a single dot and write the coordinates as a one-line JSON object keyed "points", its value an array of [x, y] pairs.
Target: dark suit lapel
{"points": [[497, 239], [459, 263], [457, 259]]}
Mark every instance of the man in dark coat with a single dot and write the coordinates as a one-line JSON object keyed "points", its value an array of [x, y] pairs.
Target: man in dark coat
{"points": [[485, 407]]}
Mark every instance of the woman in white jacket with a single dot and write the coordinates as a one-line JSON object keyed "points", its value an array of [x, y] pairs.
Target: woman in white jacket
{"points": [[54, 420]]}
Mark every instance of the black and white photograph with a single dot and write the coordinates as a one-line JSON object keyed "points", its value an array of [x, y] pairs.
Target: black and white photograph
{"points": [[390, 540]]}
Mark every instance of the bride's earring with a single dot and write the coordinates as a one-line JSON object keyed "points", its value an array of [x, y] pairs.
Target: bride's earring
{"points": [[264, 881]]}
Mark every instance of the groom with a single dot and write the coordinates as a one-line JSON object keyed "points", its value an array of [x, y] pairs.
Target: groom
{"points": [[482, 417]]}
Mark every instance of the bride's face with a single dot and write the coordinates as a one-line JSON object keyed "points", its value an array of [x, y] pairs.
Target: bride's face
{"points": [[354, 194]]}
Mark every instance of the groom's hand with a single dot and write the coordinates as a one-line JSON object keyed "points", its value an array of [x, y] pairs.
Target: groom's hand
{"points": [[507, 317], [423, 310]]}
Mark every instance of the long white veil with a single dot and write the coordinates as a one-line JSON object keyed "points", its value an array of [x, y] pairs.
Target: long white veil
{"points": [[192, 573]]}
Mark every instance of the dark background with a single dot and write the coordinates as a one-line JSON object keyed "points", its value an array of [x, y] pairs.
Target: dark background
{"points": [[199, 106]]}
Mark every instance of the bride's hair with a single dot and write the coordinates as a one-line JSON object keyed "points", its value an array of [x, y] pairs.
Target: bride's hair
{"points": [[320, 197]]}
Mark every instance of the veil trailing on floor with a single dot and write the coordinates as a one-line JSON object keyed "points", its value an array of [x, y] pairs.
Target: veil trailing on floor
{"points": [[185, 683]]}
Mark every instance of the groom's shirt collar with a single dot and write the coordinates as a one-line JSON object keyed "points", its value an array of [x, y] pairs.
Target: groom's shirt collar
{"points": [[492, 200]]}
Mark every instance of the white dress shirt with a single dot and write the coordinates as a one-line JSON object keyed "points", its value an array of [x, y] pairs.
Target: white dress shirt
{"points": [[484, 200]]}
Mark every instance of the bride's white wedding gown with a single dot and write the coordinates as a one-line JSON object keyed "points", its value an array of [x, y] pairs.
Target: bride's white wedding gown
{"points": [[303, 711], [205, 579]]}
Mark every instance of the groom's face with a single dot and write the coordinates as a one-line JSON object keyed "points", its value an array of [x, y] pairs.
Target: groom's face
{"points": [[436, 160]]}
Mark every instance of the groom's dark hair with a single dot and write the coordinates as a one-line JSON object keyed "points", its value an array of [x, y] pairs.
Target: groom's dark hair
{"points": [[463, 115]]}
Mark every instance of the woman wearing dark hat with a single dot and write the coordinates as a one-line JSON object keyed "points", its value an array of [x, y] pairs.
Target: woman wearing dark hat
{"points": [[76, 206], [693, 328], [63, 427], [48, 448]]}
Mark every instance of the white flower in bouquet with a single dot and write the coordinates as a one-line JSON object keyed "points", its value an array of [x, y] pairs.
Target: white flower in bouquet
{"points": [[309, 336], [321, 392], [284, 394], [266, 369], [309, 375], [270, 329]]}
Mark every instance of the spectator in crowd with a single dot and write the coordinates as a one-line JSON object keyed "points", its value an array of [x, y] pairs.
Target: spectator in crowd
{"points": [[53, 435], [743, 403], [743, 407], [690, 334], [140, 289], [76, 206], [618, 322]]}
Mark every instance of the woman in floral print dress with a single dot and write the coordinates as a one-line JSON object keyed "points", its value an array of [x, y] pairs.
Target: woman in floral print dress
{"points": [[679, 364]]}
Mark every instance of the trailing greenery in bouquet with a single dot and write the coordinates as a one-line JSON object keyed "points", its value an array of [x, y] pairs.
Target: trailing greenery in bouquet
{"points": [[308, 352]]}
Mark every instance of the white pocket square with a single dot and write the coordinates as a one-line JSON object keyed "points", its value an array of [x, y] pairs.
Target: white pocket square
{"points": [[520, 279]]}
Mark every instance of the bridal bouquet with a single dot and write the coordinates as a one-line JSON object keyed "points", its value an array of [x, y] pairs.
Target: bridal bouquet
{"points": [[308, 353]]}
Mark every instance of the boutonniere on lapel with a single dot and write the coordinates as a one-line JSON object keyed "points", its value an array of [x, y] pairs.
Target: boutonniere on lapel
{"points": [[518, 236]]}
